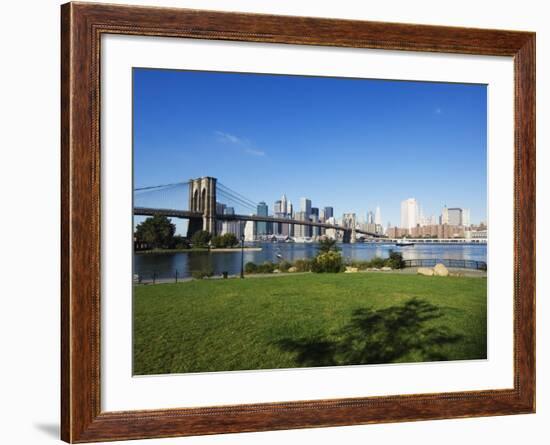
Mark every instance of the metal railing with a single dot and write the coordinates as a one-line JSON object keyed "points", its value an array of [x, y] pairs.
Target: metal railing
{"points": [[460, 264]]}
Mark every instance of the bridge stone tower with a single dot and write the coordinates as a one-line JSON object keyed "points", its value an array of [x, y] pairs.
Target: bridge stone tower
{"points": [[349, 221], [202, 199]]}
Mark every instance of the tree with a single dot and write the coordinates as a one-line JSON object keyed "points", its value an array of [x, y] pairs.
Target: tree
{"points": [[180, 242], [331, 262], [328, 245], [395, 260], [200, 238], [157, 231], [226, 240]]}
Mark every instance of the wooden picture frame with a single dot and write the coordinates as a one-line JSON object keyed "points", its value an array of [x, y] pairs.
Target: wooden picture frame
{"points": [[82, 26]]}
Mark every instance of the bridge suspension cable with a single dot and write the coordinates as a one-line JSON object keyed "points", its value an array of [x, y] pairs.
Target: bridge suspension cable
{"points": [[236, 194], [157, 187]]}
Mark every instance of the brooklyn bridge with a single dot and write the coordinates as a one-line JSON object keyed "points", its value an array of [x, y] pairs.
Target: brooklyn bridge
{"points": [[197, 201]]}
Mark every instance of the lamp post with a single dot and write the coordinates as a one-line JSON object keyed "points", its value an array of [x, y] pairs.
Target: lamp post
{"points": [[242, 255]]}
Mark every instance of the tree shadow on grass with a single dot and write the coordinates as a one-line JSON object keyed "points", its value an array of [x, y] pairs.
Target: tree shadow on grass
{"points": [[379, 336]]}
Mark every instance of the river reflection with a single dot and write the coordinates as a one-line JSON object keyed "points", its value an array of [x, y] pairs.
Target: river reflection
{"points": [[165, 265]]}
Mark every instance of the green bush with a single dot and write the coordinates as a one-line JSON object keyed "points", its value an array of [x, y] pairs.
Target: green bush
{"points": [[180, 242], [250, 267], [377, 262], [202, 273], [395, 261], [303, 265], [331, 262], [267, 267], [359, 264], [284, 265]]}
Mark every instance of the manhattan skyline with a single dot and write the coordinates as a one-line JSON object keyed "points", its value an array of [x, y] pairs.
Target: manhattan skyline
{"points": [[352, 144]]}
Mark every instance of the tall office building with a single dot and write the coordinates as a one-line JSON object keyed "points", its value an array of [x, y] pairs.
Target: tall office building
{"points": [[409, 213], [305, 206], [314, 230], [444, 218], [284, 203], [455, 216], [378, 216], [277, 207], [261, 226], [301, 231], [329, 213], [466, 217], [370, 217]]}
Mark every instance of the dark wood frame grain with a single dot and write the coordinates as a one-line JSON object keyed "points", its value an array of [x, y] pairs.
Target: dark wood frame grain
{"points": [[82, 26]]}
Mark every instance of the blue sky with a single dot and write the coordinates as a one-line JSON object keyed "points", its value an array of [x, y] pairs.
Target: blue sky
{"points": [[348, 143]]}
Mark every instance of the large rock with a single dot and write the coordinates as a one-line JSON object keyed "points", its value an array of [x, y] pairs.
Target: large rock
{"points": [[440, 270], [425, 271], [350, 269], [386, 268], [293, 269]]}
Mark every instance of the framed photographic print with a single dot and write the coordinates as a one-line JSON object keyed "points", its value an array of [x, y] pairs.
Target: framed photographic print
{"points": [[274, 222]]}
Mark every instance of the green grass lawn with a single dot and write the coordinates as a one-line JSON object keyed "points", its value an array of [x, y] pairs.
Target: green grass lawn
{"points": [[307, 320]]}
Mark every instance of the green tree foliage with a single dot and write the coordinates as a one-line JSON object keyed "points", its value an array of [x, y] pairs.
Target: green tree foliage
{"points": [[226, 240], [328, 245], [180, 242], [157, 231], [395, 260], [200, 238], [331, 262]]}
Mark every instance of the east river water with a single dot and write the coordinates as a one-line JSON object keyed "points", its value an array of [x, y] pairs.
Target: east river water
{"points": [[165, 265]]}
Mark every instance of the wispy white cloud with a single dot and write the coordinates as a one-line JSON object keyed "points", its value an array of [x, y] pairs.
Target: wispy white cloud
{"points": [[244, 144], [254, 152], [227, 137]]}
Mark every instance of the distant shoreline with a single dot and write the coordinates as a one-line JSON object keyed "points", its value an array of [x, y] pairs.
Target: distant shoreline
{"points": [[197, 249]]}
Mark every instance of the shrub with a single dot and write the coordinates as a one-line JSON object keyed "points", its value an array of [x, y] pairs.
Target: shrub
{"points": [[377, 262], [250, 267], [331, 262], [395, 261], [180, 242], [202, 273], [284, 265], [267, 267], [303, 265]]}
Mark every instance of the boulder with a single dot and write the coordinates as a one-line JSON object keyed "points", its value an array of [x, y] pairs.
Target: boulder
{"points": [[386, 268], [425, 271], [350, 269], [292, 269], [440, 270]]}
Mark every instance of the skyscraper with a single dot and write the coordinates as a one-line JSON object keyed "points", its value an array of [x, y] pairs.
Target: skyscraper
{"points": [[444, 218], [378, 216], [301, 231], [329, 213], [284, 203], [370, 217], [455, 216], [261, 226], [409, 213], [466, 217], [305, 206]]}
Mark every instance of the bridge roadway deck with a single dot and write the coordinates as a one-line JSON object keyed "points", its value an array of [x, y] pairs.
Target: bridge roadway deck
{"points": [[186, 214]]}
